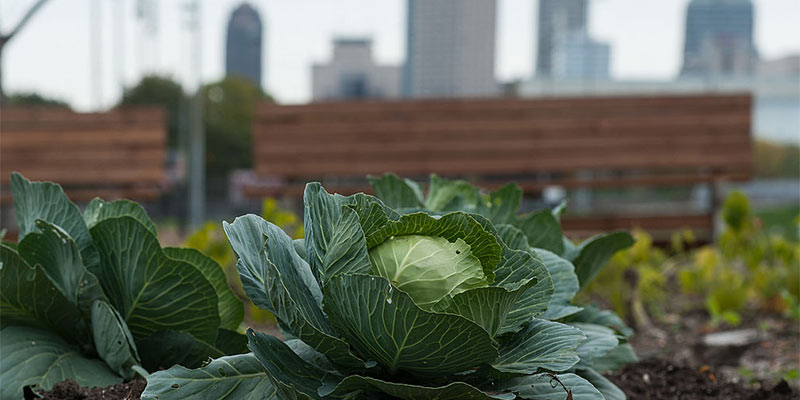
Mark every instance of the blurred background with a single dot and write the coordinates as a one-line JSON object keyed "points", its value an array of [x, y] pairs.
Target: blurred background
{"points": [[677, 119], [209, 65]]}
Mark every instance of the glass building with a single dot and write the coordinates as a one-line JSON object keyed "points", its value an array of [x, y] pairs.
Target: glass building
{"points": [[243, 45], [719, 39]]}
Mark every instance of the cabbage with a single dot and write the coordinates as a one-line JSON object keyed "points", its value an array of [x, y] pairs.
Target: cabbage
{"points": [[427, 268]]}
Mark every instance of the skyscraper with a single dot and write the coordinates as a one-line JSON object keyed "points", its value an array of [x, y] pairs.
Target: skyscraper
{"points": [[243, 46], [450, 49], [557, 19], [353, 74], [578, 56], [719, 39]]}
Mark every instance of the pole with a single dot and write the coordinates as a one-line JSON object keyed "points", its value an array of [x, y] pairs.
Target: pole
{"points": [[95, 53], [197, 139]]}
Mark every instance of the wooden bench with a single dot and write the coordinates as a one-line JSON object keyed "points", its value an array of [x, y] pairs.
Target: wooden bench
{"points": [[569, 142], [116, 154]]}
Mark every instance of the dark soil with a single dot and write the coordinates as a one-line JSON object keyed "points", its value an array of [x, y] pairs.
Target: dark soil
{"points": [[652, 379], [69, 390], [660, 380]]}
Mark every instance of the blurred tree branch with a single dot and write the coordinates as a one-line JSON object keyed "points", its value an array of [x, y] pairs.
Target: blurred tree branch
{"points": [[6, 37]]}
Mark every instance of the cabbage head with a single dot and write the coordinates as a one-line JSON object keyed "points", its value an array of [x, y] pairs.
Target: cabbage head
{"points": [[379, 303]]}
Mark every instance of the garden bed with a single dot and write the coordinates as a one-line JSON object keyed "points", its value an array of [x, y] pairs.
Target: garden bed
{"points": [[652, 379]]}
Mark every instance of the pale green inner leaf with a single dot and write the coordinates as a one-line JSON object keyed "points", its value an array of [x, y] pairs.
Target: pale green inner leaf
{"points": [[428, 268]]}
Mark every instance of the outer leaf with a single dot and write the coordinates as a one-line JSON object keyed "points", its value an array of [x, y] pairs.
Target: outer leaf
{"points": [[451, 195], [163, 349], [151, 291], [541, 344], [37, 357], [239, 377], [609, 390], [544, 387], [397, 192], [513, 237], [28, 297], [565, 283], [517, 266], [615, 359], [98, 210], [231, 342], [112, 340], [504, 204], [58, 255], [599, 341], [543, 230], [284, 366], [595, 252], [47, 201], [275, 278], [347, 249], [452, 391], [321, 213], [231, 310], [451, 226], [487, 306], [372, 213], [593, 315], [386, 325]]}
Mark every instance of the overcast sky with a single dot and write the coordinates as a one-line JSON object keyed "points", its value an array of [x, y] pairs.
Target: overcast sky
{"points": [[52, 54]]}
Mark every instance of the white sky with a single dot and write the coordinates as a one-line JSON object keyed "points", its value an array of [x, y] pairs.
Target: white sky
{"points": [[52, 54]]}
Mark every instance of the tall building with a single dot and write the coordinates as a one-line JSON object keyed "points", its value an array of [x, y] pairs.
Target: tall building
{"points": [[719, 39], [557, 19], [243, 45], [450, 49], [578, 56], [353, 74]]}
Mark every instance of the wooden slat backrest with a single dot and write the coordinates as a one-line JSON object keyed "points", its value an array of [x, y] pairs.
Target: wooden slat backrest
{"points": [[693, 134], [119, 148]]}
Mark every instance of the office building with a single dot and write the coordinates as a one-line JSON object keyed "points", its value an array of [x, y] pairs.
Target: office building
{"points": [[450, 49], [557, 20], [243, 45], [719, 39], [353, 74]]}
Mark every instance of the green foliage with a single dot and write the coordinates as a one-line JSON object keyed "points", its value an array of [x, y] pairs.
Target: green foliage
{"points": [[33, 100], [210, 240], [633, 275], [736, 212], [228, 120], [368, 296], [93, 296], [776, 160], [746, 267], [159, 91]]}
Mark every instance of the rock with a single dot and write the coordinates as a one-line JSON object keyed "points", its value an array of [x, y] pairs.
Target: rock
{"points": [[740, 337]]}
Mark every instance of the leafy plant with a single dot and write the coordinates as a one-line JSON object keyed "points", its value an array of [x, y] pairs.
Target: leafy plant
{"points": [[745, 267], [210, 240], [380, 300], [94, 297]]}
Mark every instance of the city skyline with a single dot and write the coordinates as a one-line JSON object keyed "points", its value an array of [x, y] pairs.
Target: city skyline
{"points": [[59, 36], [243, 44]]}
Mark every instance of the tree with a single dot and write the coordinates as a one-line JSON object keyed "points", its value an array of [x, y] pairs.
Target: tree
{"points": [[159, 91], [6, 37], [228, 118], [35, 100]]}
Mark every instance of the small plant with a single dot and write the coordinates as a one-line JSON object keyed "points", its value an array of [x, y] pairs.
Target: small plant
{"points": [[93, 296], [745, 267], [456, 300]]}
